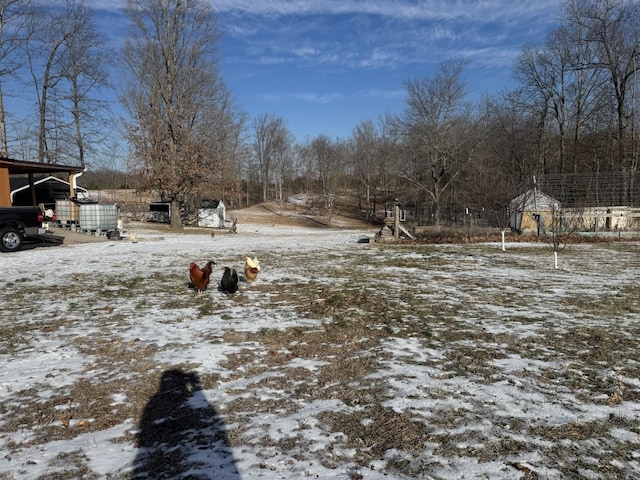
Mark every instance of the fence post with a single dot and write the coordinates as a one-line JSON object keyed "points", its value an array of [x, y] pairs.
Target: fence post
{"points": [[396, 219]]}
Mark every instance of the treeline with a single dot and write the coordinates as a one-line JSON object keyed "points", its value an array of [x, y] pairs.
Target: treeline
{"points": [[573, 110]]}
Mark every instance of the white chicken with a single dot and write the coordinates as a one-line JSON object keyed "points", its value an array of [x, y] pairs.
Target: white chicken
{"points": [[251, 268]]}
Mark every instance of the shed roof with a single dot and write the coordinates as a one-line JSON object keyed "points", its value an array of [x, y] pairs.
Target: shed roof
{"points": [[9, 167], [534, 199], [19, 166]]}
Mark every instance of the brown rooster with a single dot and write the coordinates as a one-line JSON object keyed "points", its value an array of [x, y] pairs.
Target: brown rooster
{"points": [[251, 268], [200, 277]]}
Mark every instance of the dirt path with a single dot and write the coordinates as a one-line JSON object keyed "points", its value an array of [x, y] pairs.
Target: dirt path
{"points": [[273, 213]]}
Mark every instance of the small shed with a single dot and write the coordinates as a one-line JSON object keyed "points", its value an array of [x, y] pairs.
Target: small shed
{"points": [[159, 212], [212, 214], [532, 211]]}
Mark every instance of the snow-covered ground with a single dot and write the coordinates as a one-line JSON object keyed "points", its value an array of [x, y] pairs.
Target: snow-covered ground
{"points": [[344, 360]]}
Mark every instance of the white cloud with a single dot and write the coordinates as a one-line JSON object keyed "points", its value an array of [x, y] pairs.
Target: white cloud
{"points": [[96, 4], [324, 98], [398, 94], [485, 10], [305, 51], [377, 34], [308, 97], [319, 97]]}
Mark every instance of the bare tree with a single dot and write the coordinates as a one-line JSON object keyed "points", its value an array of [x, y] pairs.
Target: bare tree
{"points": [[308, 169], [271, 141], [562, 223], [390, 154], [14, 16], [330, 159], [509, 133], [229, 148], [437, 130], [85, 71], [283, 164], [66, 64], [545, 76], [174, 96], [368, 163], [563, 85], [612, 28], [489, 190], [586, 97], [45, 52]]}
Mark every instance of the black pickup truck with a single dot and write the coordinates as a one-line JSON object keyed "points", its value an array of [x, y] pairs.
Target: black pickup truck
{"points": [[18, 223]]}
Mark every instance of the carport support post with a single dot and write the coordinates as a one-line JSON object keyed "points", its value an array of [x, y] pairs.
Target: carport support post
{"points": [[33, 190]]}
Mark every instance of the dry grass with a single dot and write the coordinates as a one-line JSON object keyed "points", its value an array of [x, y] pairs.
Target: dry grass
{"points": [[361, 302]]}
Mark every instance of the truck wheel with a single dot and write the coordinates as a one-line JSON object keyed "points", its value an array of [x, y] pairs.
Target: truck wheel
{"points": [[10, 239]]}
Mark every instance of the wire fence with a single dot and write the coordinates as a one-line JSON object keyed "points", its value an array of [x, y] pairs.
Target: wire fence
{"points": [[599, 189]]}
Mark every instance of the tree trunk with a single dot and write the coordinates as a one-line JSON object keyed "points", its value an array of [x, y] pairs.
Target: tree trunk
{"points": [[437, 210], [4, 149], [176, 217], [42, 138]]}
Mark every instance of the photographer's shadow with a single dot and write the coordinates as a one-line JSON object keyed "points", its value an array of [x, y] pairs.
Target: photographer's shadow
{"points": [[181, 435]]}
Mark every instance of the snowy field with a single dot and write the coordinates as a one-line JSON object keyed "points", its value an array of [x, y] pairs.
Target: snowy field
{"points": [[343, 360]]}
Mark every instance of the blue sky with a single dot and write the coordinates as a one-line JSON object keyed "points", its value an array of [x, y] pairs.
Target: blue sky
{"points": [[325, 65]]}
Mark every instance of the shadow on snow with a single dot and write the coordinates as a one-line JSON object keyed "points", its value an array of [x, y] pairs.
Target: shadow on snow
{"points": [[181, 435]]}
